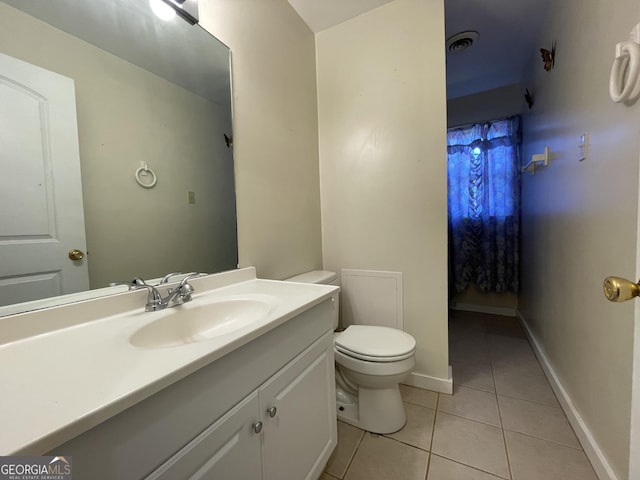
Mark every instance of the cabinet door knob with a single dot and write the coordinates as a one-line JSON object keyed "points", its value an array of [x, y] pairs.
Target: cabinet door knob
{"points": [[257, 427], [272, 411]]}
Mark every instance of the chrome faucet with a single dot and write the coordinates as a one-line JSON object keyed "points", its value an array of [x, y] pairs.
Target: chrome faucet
{"points": [[175, 296], [155, 301], [182, 293]]}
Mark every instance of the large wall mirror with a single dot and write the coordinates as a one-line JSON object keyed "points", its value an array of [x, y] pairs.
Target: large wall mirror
{"points": [[139, 95]]}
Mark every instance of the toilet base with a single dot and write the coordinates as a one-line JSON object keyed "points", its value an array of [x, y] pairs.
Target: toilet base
{"points": [[377, 410], [348, 413]]}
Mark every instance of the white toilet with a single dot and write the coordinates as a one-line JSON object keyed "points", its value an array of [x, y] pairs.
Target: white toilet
{"points": [[370, 363]]}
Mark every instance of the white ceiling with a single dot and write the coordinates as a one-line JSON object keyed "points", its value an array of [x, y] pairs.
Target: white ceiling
{"points": [[509, 37], [509, 31], [322, 14]]}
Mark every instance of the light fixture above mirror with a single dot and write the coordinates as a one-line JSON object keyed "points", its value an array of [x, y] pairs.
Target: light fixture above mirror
{"points": [[162, 10], [187, 9]]}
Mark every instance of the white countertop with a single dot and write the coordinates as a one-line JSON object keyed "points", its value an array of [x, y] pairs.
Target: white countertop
{"points": [[61, 382]]}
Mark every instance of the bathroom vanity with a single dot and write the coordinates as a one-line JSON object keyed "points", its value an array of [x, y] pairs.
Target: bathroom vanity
{"points": [[129, 399]]}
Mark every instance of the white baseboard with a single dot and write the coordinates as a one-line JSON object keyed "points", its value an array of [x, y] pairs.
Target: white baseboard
{"points": [[469, 307], [589, 444], [435, 384]]}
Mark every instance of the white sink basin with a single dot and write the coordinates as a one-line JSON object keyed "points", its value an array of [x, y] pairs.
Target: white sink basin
{"points": [[201, 320]]}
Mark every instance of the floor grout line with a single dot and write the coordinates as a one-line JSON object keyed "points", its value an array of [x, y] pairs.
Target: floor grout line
{"points": [[504, 436], [531, 401], [403, 443], [355, 451], [433, 435], [522, 373], [474, 387], [473, 419], [419, 404], [470, 466], [555, 442]]}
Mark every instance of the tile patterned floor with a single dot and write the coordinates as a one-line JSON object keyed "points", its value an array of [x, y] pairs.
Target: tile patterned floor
{"points": [[502, 421]]}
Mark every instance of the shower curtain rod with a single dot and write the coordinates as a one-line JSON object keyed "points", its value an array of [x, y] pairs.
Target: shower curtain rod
{"points": [[467, 125]]}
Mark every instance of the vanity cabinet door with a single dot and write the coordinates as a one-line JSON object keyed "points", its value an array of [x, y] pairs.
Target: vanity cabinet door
{"points": [[298, 411], [229, 449]]}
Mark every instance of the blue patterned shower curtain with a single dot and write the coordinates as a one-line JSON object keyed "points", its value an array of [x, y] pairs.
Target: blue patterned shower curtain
{"points": [[483, 168]]}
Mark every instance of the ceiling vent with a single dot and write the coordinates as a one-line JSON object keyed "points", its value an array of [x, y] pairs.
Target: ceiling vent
{"points": [[461, 41]]}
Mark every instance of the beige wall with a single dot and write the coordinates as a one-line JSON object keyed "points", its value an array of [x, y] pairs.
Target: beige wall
{"points": [[579, 218], [275, 133], [491, 104], [381, 95], [127, 115]]}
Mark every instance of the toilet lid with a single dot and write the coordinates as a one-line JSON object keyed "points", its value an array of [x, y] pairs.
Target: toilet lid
{"points": [[381, 344]]}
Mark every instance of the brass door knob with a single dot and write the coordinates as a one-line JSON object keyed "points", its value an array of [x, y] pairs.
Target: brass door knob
{"points": [[618, 289], [76, 254]]}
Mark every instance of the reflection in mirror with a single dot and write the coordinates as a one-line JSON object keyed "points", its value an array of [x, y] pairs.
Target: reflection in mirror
{"points": [[90, 94]]}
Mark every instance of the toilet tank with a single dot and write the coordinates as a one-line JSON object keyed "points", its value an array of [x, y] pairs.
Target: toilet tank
{"points": [[321, 277]]}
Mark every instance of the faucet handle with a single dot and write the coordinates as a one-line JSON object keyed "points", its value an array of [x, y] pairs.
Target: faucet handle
{"points": [[133, 284], [185, 292], [166, 278], [154, 299], [189, 276], [119, 282], [182, 293]]}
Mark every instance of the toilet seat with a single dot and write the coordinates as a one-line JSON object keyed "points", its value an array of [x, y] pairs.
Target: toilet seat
{"points": [[375, 344]]}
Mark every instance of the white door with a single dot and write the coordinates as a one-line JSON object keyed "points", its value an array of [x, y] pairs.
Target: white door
{"points": [[634, 451], [41, 213]]}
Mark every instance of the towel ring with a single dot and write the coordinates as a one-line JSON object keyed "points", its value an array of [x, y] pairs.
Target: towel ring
{"points": [[147, 170]]}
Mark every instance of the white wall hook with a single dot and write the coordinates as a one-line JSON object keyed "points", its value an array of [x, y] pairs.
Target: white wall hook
{"points": [[624, 83], [542, 158]]}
